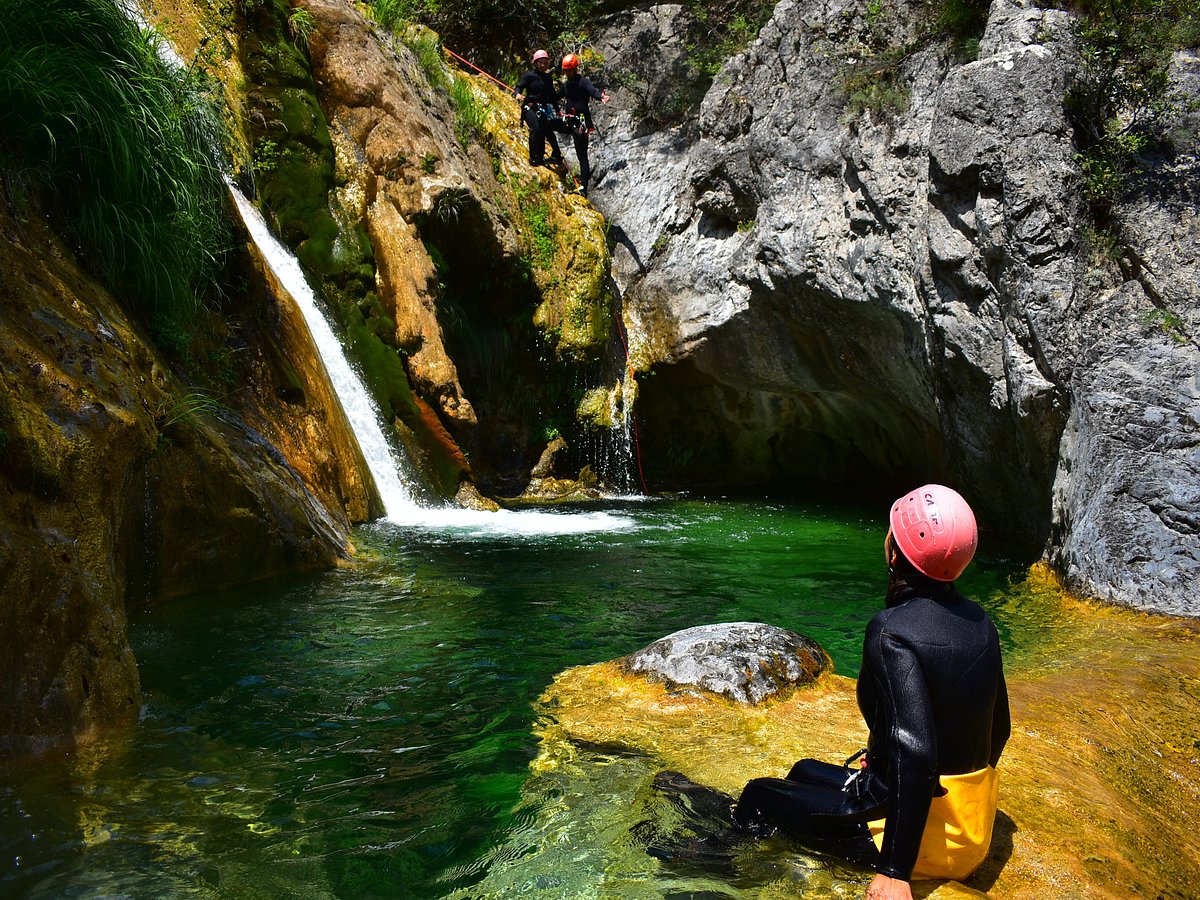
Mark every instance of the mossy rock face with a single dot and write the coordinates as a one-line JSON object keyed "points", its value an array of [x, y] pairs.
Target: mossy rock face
{"points": [[119, 485], [311, 191], [563, 236]]}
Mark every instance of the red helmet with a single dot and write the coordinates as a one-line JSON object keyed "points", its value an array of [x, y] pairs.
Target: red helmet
{"points": [[570, 61], [540, 54], [935, 530]]}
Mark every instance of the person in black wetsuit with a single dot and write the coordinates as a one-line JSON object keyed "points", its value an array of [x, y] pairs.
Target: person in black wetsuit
{"points": [[932, 692], [578, 92], [539, 96]]}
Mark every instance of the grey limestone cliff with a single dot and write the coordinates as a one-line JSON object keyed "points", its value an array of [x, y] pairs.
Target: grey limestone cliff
{"points": [[897, 286]]}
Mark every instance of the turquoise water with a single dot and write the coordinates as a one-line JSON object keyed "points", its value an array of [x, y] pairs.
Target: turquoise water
{"points": [[367, 732]]}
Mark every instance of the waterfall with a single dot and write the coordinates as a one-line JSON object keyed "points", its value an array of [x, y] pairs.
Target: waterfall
{"points": [[392, 474], [357, 405], [360, 410]]}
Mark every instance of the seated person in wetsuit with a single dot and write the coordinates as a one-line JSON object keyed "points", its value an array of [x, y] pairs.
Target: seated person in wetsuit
{"points": [[932, 692]]}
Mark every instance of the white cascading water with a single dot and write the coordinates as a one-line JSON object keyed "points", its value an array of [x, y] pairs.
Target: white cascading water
{"points": [[400, 506], [356, 401]]}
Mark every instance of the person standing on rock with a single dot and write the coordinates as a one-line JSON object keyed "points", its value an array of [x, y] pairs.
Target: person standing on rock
{"points": [[578, 92], [932, 692], [538, 95]]}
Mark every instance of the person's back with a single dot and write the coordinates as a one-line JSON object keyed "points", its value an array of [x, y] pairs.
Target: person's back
{"points": [[951, 701]]}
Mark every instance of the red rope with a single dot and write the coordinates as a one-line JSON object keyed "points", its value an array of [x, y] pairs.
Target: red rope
{"points": [[476, 68]]}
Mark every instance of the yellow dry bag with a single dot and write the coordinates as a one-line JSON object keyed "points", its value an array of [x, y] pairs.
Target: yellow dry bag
{"points": [[958, 831]]}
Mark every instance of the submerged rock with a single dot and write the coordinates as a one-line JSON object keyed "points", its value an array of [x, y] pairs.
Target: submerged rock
{"points": [[744, 661]]}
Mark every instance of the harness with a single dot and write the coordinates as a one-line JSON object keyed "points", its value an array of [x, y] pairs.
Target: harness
{"points": [[546, 112]]}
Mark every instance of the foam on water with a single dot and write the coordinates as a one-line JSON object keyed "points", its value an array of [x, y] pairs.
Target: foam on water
{"points": [[400, 506], [470, 523]]}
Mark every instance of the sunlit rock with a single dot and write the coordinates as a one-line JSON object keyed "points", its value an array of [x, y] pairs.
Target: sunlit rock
{"points": [[744, 661], [1100, 782], [874, 281]]}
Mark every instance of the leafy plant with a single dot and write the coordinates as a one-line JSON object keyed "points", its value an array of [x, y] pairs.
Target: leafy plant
{"points": [[448, 206], [963, 22], [391, 14], [1170, 323], [873, 86], [428, 49], [481, 27], [536, 213], [266, 156], [301, 24], [119, 147], [429, 163], [185, 409], [725, 29], [471, 113], [1120, 103]]}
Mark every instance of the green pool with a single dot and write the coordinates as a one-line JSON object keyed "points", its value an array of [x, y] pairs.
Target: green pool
{"points": [[366, 732]]}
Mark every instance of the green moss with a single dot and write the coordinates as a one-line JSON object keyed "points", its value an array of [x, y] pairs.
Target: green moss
{"points": [[384, 372], [595, 409], [297, 187]]}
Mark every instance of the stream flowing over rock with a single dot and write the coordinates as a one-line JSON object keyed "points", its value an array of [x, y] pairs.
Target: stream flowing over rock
{"points": [[880, 290]]}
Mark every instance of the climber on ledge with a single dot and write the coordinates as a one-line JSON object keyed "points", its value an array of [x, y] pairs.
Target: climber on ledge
{"points": [[539, 96], [578, 92], [932, 691]]}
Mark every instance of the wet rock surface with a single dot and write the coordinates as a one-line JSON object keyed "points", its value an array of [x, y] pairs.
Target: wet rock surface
{"points": [[1099, 780], [744, 661], [119, 487]]}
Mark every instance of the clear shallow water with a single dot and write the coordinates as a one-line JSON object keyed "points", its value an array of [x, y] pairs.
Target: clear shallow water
{"points": [[367, 732]]}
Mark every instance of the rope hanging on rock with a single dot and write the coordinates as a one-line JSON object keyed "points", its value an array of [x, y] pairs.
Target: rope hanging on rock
{"points": [[467, 62]]}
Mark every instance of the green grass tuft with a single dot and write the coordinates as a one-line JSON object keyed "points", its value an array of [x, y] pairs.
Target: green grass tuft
{"points": [[118, 147]]}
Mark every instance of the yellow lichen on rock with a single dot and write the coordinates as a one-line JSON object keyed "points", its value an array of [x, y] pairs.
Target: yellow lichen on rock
{"points": [[1100, 781], [563, 236], [709, 738]]}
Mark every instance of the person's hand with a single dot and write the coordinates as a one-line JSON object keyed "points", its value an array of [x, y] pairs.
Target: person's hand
{"points": [[884, 888], [604, 96]]}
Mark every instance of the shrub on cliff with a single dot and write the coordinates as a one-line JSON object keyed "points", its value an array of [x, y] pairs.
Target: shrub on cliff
{"points": [[117, 146], [1121, 103]]}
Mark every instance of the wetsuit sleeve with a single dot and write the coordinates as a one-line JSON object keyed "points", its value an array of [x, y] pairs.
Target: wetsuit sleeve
{"points": [[591, 90], [909, 740], [1001, 723]]}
